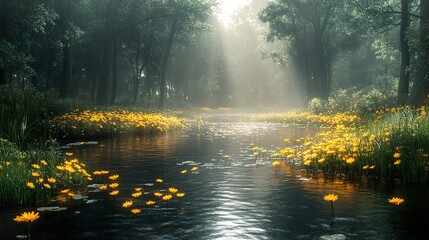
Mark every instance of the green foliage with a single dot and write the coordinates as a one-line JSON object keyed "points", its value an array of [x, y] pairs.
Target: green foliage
{"points": [[25, 113], [17, 168], [353, 101]]}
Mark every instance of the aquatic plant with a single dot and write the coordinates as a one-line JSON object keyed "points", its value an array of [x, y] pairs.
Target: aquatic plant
{"points": [[98, 123], [396, 201], [331, 198]]}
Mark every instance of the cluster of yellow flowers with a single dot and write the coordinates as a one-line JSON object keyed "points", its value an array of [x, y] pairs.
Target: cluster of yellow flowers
{"points": [[302, 117], [92, 122]]}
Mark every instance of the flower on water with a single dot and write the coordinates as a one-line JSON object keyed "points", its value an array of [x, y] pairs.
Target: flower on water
{"points": [[113, 193], [35, 166], [138, 189], [65, 191], [172, 190], [97, 173], [104, 172], [397, 162], [30, 185], [127, 204], [113, 185], [43, 162], [135, 211], [167, 197], [194, 169], [180, 195], [102, 187], [331, 198], [52, 180], [150, 202], [396, 201], [69, 154], [157, 194], [184, 171], [276, 163], [27, 217], [114, 177], [35, 174], [159, 180], [137, 194], [396, 155]]}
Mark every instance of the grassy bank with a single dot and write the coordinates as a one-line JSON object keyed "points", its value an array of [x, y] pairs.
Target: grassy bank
{"points": [[28, 178], [392, 144], [100, 123]]}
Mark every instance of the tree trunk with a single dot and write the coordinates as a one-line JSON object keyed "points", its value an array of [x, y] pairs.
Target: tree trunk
{"points": [[3, 76], [165, 63], [106, 76], [404, 76], [321, 74], [67, 71], [114, 73], [420, 89]]}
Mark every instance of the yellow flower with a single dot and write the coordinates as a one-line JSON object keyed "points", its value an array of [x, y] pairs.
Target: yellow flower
{"points": [[172, 190], [138, 189], [113, 185], [365, 167], [52, 180], [135, 211], [35, 174], [127, 204], [104, 172], [159, 180], [350, 160], [102, 187], [372, 167], [321, 160], [27, 217], [330, 198], [396, 201], [35, 166], [307, 162], [397, 155], [184, 171], [40, 180], [114, 177], [276, 163], [46, 185], [97, 173], [150, 202], [70, 194], [7, 163], [397, 162], [180, 195], [157, 194], [43, 162], [65, 191], [30, 185], [194, 169], [69, 154], [167, 197], [137, 194], [113, 193]]}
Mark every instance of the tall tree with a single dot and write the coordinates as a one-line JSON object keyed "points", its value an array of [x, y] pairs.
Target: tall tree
{"points": [[420, 88], [404, 76]]}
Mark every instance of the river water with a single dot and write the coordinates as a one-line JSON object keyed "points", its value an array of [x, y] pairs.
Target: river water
{"points": [[232, 195]]}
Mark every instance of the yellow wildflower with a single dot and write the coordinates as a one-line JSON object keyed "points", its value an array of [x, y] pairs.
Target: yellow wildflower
{"points": [[396, 201], [150, 202], [331, 198], [137, 194], [27, 217], [113, 193], [172, 190], [180, 195], [167, 197], [135, 211], [127, 204], [30, 185], [114, 177]]}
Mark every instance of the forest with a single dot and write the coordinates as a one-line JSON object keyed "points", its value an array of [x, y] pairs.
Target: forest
{"points": [[177, 53]]}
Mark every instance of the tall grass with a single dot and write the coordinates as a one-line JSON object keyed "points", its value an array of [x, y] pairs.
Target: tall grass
{"points": [[21, 170]]}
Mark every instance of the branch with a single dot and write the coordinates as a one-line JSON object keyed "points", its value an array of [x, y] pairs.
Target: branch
{"points": [[409, 14]]}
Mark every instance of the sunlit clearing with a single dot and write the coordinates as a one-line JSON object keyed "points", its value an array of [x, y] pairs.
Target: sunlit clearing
{"points": [[227, 9]]}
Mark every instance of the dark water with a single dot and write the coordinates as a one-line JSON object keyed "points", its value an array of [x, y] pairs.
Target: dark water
{"points": [[232, 196]]}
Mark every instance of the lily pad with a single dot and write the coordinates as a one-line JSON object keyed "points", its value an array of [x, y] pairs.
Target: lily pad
{"points": [[51, 208], [79, 197], [22, 236], [333, 237]]}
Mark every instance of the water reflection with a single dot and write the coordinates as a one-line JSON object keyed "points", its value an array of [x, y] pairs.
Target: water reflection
{"points": [[230, 197]]}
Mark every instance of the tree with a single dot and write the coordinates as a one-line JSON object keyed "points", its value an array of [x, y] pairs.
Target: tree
{"points": [[420, 88]]}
